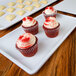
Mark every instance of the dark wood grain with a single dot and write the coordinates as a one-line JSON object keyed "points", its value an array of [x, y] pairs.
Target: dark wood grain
{"points": [[61, 63]]}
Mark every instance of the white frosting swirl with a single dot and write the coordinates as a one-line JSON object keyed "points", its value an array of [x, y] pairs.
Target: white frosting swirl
{"points": [[26, 40], [50, 22], [28, 21], [49, 10]]}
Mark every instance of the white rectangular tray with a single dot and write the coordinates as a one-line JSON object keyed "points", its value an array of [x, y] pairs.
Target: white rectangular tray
{"points": [[5, 24], [68, 6], [47, 46]]}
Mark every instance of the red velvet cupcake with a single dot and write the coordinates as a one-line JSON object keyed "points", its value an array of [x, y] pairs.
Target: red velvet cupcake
{"points": [[30, 25], [51, 27], [27, 44], [49, 12]]}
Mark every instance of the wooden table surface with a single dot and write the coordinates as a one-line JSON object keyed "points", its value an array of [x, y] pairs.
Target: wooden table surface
{"points": [[61, 63]]}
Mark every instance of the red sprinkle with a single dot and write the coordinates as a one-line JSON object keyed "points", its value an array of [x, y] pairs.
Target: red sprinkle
{"points": [[47, 8], [50, 8], [24, 19], [47, 20], [33, 21], [45, 24], [20, 37], [25, 39], [30, 18]]}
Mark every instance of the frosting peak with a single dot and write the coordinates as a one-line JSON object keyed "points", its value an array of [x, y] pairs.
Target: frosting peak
{"points": [[26, 40], [28, 21], [49, 10], [51, 22]]}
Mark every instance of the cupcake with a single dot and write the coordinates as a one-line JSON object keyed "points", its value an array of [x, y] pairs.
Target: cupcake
{"points": [[51, 27], [49, 12], [27, 44], [30, 25]]}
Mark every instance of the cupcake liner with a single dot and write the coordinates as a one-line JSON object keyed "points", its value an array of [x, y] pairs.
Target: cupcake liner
{"points": [[31, 51], [33, 29], [51, 32]]}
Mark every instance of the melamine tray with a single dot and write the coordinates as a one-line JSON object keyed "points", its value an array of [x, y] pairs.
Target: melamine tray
{"points": [[5, 24], [47, 46]]}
